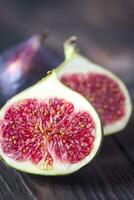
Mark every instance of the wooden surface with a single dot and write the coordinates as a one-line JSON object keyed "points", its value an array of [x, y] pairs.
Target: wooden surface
{"points": [[106, 35]]}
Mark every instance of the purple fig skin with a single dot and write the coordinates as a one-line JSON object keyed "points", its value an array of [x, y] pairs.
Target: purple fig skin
{"points": [[25, 64]]}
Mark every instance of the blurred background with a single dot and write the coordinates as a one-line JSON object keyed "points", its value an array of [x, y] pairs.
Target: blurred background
{"points": [[105, 28]]}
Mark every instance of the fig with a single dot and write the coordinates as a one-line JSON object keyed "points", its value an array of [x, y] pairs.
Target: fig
{"points": [[25, 64], [49, 129], [102, 88]]}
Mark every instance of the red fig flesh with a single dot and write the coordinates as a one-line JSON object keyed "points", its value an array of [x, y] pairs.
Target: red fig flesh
{"points": [[102, 92], [41, 122]]}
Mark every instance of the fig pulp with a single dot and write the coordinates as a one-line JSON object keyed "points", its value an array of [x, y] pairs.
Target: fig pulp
{"points": [[102, 88], [24, 65], [49, 129]]}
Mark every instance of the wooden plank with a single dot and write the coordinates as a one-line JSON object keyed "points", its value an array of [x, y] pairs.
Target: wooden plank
{"points": [[12, 185], [125, 140], [5, 190]]}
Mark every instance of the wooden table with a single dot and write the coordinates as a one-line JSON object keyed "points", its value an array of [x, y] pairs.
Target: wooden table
{"points": [[106, 35]]}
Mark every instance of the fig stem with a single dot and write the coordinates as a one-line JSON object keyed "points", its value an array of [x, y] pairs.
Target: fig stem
{"points": [[70, 47], [43, 35]]}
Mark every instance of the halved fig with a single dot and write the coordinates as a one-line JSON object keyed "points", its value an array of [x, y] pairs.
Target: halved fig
{"points": [[102, 88], [49, 129], [25, 64]]}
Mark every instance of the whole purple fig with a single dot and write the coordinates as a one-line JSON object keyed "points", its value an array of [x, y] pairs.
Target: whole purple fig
{"points": [[25, 64]]}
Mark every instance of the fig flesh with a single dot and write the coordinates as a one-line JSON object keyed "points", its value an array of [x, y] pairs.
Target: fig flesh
{"points": [[49, 129], [107, 93]]}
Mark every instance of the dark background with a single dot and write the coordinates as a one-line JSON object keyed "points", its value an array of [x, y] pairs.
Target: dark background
{"points": [[106, 35], [105, 28]]}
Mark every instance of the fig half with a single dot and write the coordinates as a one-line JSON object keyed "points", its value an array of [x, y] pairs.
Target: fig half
{"points": [[102, 88], [49, 129]]}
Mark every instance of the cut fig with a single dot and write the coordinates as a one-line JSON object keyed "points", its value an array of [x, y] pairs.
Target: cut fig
{"points": [[102, 88], [49, 129], [25, 64]]}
